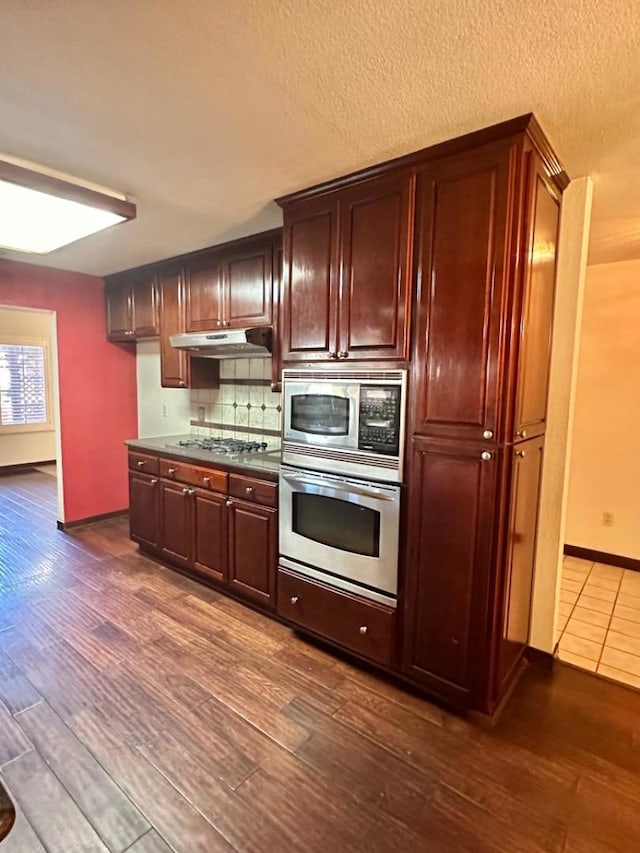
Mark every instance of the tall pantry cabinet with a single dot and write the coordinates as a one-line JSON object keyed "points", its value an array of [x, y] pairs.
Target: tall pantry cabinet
{"points": [[443, 262], [486, 234]]}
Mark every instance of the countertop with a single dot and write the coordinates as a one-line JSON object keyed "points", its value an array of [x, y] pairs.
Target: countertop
{"points": [[262, 464]]}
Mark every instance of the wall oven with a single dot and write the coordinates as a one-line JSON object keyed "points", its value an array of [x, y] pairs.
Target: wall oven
{"points": [[347, 422], [341, 530]]}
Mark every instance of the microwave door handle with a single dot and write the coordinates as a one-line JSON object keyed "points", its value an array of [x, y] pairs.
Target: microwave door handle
{"points": [[338, 487]]}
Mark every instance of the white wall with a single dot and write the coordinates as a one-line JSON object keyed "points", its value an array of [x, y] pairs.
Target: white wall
{"points": [[21, 448], [572, 259], [154, 401], [605, 460]]}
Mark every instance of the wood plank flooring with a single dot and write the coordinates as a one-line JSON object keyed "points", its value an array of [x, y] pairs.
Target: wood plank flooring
{"points": [[143, 712]]}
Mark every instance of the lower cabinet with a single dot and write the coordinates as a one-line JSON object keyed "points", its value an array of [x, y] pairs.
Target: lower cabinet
{"points": [[205, 530], [144, 513], [253, 551], [451, 501]]}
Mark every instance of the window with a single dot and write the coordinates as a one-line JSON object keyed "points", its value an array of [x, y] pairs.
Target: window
{"points": [[24, 385]]}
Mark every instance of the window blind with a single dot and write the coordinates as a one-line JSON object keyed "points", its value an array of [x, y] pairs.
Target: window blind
{"points": [[23, 390]]}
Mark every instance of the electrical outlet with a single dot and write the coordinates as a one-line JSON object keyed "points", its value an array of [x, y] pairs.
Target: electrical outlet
{"points": [[607, 519], [165, 410], [200, 413]]}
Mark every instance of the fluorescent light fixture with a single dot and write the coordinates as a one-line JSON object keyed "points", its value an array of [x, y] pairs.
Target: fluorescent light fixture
{"points": [[41, 211]]}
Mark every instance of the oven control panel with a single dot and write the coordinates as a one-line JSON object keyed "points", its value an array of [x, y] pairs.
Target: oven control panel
{"points": [[379, 419]]}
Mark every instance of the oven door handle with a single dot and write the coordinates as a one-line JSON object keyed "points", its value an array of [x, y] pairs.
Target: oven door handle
{"points": [[376, 494]]}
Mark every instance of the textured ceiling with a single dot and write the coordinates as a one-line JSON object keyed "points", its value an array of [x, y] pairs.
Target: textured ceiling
{"points": [[205, 110]]}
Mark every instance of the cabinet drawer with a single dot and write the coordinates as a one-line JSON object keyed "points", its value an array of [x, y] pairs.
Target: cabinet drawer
{"points": [[205, 478], [338, 616], [143, 462], [255, 491]]}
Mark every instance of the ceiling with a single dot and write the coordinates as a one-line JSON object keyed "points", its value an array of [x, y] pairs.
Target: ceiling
{"points": [[203, 111]]}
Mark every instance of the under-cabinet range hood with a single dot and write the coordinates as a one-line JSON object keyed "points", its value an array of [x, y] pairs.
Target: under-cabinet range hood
{"points": [[232, 343]]}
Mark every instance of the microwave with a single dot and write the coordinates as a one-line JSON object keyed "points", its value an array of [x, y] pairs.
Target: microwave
{"points": [[345, 422]]}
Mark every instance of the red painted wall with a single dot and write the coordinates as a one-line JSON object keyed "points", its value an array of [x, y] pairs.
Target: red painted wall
{"points": [[98, 395]]}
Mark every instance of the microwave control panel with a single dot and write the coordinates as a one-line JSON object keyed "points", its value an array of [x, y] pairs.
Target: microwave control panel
{"points": [[379, 419]]}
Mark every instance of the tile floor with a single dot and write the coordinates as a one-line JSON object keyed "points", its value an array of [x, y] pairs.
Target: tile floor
{"points": [[599, 626]]}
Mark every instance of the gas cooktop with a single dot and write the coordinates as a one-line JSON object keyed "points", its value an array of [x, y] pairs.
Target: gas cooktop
{"points": [[224, 445]]}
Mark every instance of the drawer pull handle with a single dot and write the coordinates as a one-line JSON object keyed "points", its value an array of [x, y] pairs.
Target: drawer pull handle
{"points": [[140, 463], [249, 490], [154, 481], [171, 471], [363, 629], [206, 480], [522, 433], [294, 599]]}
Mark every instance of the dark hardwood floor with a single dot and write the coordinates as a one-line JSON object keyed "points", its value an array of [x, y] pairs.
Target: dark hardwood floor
{"points": [[143, 712]]}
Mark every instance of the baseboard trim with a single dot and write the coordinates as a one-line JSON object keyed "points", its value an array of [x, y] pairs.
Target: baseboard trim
{"points": [[23, 467], [540, 659], [602, 557], [92, 519]]}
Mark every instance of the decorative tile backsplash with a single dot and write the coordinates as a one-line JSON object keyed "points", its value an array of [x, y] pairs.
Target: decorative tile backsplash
{"points": [[243, 404]]}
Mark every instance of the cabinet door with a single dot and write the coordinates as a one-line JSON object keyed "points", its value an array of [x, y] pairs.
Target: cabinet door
{"points": [[146, 320], [536, 313], [451, 500], [517, 585], [174, 363], [176, 523], [248, 288], [118, 306], [252, 551], [310, 280], [462, 219], [375, 292], [144, 509], [204, 298], [276, 352], [210, 535]]}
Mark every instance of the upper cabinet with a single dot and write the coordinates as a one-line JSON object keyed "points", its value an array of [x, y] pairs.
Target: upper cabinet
{"points": [[347, 272], [132, 309], [462, 216], [231, 287]]}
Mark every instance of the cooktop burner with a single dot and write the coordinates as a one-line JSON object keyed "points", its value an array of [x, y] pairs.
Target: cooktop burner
{"points": [[224, 445]]}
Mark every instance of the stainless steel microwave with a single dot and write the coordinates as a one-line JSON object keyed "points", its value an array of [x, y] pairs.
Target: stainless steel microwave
{"points": [[345, 422]]}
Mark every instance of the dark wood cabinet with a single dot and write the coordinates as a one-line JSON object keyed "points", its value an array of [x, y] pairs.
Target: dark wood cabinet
{"points": [[375, 263], [176, 535], [210, 535], [231, 286], [538, 294], [347, 272], [516, 582], [451, 502], [144, 514], [462, 215], [309, 290], [253, 551], [132, 307], [174, 363]]}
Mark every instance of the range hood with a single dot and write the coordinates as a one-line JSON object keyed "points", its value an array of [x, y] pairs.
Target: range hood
{"points": [[233, 343]]}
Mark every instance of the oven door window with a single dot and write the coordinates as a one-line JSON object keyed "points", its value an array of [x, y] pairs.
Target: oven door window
{"points": [[339, 524], [320, 414]]}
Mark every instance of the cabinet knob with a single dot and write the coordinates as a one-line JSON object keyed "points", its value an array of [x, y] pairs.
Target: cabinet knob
{"points": [[487, 433], [343, 354], [206, 480], [521, 453], [181, 383], [191, 492], [522, 433], [186, 491], [294, 599], [485, 456], [219, 323], [140, 463], [363, 629], [171, 471], [154, 481], [332, 355], [229, 503], [249, 490]]}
